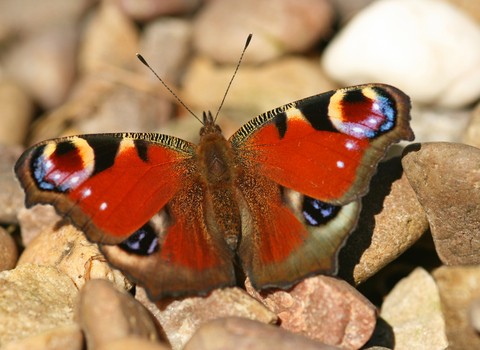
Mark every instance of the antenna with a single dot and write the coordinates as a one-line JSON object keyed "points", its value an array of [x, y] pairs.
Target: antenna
{"points": [[235, 73], [140, 57]]}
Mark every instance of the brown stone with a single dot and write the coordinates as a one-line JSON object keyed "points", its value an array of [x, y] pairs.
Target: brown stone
{"points": [[106, 314], [132, 342], [65, 247], [472, 134], [446, 180], [145, 10], [391, 221], [34, 299], [323, 308], [8, 251], [36, 219], [11, 194], [236, 333], [180, 318], [459, 286]]}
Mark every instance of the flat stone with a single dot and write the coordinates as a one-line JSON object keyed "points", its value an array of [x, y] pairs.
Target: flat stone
{"points": [[459, 286], [34, 299], [180, 318], [106, 313], [412, 308], [441, 189], [236, 333], [323, 308]]}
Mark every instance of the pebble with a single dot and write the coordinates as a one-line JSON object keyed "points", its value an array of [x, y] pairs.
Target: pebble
{"points": [[105, 314], [65, 247], [427, 48], [413, 310], [441, 190], [34, 299], [391, 221], [470, 7], [474, 315], [44, 63], [323, 308], [472, 134], [180, 318], [8, 251], [34, 220], [68, 337], [236, 333], [145, 10], [132, 342], [12, 197], [17, 113], [459, 286], [278, 27]]}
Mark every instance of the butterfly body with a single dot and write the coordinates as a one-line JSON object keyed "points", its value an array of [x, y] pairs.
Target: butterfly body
{"points": [[280, 196]]}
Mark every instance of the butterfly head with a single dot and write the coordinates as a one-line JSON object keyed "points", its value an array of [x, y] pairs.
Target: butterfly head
{"points": [[209, 126]]}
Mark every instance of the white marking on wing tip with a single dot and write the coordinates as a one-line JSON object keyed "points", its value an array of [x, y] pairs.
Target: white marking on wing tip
{"points": [[74, 179], [358, 130], [340, 164], [48, 164], [349, 145], [56, 177], [376, 106], [372, 121], [87, 192], [103, 206]]}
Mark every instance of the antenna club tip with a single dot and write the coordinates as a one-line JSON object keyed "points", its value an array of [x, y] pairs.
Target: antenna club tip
{"points": [[248, 39], [140, 57]]}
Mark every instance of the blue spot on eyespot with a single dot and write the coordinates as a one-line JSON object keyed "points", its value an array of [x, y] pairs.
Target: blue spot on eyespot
{"points": [[144, 241], [318, 213]]}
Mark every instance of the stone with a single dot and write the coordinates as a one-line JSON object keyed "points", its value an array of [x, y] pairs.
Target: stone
{"points": [[36, 219], [8, 251], [105, 313], [44, 63], [65, 247], [470, 7], [68, 337], [280, 27], [12, 197], [459, 286], [256, 89], [17, 112], [426, 47], [146, 10], [110, 38], [131, 342], [412, 308], [323, 308], [391, 221], [474, 315], [472, 134], [180, 318], [440, 188], [34, 299], [236, 333]]}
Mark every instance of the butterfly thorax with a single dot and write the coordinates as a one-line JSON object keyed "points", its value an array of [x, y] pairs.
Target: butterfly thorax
{"points": [[218, 174]]}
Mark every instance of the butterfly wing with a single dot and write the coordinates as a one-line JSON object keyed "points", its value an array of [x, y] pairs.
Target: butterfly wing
{"points": [[111, 185], [313, 159]]}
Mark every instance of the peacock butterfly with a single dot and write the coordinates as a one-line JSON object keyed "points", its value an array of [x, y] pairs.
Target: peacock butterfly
{"points": [[279, 198]]}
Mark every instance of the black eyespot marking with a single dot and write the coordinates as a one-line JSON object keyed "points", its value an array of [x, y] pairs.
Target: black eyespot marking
{"points": [[318, 213], [142, 149], [63, 148], [315, 111], [105, 150], [281, 124], [354, 96], [143, 242]]}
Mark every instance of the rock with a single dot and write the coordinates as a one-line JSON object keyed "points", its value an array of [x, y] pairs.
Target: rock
{"points": [[11, 194], [441, 189], [165, 44], [180, 318], [283, 26], [474, 315], [427, 47], [34, 299], [109, 39], [17, 112], [36, 219], [345, 9], [412, 308], [145, 10], [131, 342], [323, 308], [470, 7], [105, 314], [65, 247], [236, 333], [8, 251], [68, 337], [391, 221], [256, 89], [44, 63], [472, 134], [458, 286]]}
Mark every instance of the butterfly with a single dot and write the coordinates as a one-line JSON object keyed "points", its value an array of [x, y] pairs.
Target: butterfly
{"points": [[278, 198]]}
